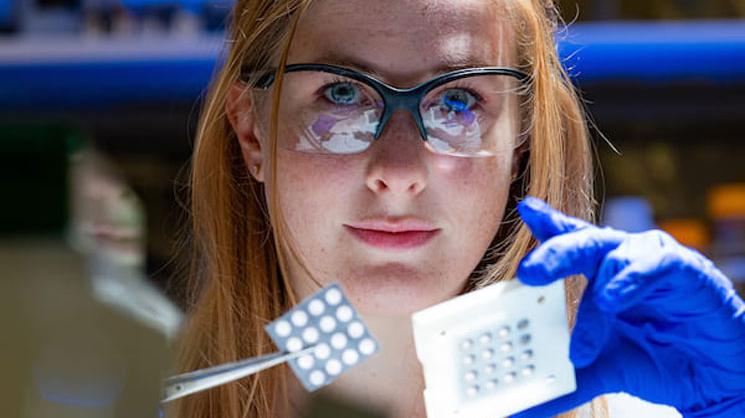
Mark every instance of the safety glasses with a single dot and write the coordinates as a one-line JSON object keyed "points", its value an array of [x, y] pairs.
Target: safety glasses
{"points": [[327, 109]]}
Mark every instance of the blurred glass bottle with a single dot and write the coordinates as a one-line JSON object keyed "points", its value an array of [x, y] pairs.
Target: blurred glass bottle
{"points": [[9, 21], [153, 17], [188, 20], [628, 213], [103, 17], [726, 205], [690, 232], [215, 14]]}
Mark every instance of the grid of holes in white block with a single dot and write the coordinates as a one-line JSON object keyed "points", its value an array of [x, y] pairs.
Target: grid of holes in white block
{"points": [[494, 358], [328, 320]]}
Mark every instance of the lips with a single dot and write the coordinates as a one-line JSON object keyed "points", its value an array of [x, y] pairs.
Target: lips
{"points": [[393, 234]]}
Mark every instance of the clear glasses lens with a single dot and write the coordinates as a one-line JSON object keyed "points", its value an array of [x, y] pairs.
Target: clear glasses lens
{"points": [[472, 116], [326, 113]]}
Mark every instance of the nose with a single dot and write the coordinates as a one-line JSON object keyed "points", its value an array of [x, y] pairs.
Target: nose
{"points": [[397, 165]]}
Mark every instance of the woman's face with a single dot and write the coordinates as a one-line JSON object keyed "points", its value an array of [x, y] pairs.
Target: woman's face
{"points": [[342, 209]]}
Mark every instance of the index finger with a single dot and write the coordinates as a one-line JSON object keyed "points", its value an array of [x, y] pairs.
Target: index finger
{"points": [[579, 252], [546, 222]]}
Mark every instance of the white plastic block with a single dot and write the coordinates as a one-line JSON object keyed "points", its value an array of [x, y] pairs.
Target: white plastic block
{"points": [[495, 351]]}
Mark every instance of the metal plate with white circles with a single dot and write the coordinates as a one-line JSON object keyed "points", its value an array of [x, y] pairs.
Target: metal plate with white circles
{"points": [[327, 321]]}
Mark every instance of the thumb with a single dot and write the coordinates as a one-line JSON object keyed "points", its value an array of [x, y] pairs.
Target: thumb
{"points": [[591, 331], [546, 222]]}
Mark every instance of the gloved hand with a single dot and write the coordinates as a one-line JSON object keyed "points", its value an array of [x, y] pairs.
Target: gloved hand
{"points": [[657, 320]]}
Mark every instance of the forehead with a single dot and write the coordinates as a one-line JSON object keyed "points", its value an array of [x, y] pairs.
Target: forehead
{"points": [[404, 40]]}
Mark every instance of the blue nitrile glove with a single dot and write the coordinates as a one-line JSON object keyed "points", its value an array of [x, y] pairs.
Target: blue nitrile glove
{"points": [[657, 321]]}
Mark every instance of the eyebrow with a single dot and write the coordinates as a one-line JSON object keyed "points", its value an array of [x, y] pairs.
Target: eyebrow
{"points": [[448, 66]]}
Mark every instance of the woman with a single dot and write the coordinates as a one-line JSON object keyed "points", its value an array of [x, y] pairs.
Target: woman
{"points": [[309, 174]]}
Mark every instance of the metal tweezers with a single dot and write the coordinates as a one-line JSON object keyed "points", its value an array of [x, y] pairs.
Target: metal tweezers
{"points": [[203, 379]]}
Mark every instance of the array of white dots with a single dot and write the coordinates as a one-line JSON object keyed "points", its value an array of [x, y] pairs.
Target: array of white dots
{"points": [[355, 329], [333, 296], [479, 347], [299, 318], [333, 367], [316, 307], [350, 356], [293, 344], [367, 346], [322, 351], [327, 324], [317, 377], [310, 335], [298, 330], [305, 362], [338, 341], [344, 313], [283, 328]]}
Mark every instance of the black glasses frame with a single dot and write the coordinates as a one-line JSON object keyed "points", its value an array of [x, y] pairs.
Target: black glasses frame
{"points": [[393, 97]]}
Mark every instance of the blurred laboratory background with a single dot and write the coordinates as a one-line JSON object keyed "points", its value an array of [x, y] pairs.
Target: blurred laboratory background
{"points": [[98, 105]]}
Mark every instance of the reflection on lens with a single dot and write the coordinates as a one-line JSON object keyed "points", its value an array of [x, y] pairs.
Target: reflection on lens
{"points": [[326, 113], [452, 132], [336, 134], [472, 116]]}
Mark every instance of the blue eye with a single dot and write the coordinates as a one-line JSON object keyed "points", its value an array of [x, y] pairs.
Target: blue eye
{"points": [[342, 93], [457, 100]]}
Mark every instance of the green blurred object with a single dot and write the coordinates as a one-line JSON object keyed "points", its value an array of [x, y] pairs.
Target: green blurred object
{"points": [[34, 176], [86, 335], [63, 352]]}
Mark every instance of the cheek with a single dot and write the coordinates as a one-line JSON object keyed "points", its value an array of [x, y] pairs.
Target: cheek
{"points": [[473, 179], [478, 190], [311, 187]]}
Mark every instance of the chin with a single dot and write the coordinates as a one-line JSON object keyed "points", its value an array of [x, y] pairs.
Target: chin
{"points": [[396, 290]]}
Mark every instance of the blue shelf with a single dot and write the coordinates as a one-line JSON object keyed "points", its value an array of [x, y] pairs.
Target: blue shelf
{"points": [[38, 74], [662, 52], [44, 74]]}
